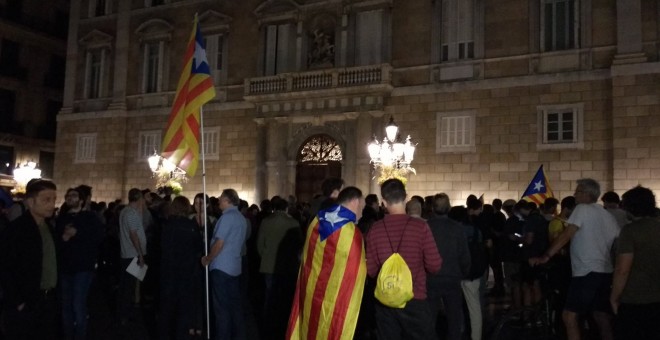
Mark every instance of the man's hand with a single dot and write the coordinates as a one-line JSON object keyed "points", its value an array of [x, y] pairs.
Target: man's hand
{"points": [[69, 232], [535, 261], [615, 306], [20, 307], [140, 261], [205, 261]]}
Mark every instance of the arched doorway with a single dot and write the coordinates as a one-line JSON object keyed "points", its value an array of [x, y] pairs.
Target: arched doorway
{"points": [[318, 158]]}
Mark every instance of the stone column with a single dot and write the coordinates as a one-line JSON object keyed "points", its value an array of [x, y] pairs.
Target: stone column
{"points": [[120, 77], [629, 32], [261, 171], [276, 156], [71, 58]]}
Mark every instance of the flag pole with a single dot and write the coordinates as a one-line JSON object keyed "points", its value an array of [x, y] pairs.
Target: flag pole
{"points": [[206, 239]]}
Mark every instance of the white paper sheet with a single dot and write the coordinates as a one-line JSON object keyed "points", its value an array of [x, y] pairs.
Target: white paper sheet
{"points": [[137, 271]]}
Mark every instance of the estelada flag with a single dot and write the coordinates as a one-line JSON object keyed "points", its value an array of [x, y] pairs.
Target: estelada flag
{"points": [[538, 189], [195, 88], [331, 278]]}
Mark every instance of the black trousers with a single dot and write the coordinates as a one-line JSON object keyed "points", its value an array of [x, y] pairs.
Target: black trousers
{"points": [[37, 320], [410, 322], [639, 322]]}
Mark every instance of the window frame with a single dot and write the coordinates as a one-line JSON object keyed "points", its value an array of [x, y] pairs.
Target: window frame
{"points": [[142, 153], [215, 131], [89, 72], [216, 54], [543, 29], [159, 75], [452, 48], [577, 141], [93, 10], [81, 156], [441, 120]]}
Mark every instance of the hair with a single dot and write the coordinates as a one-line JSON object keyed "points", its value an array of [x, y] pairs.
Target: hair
{"points": [[441, 204], [348, 194], [568, 202], [508, 205], [134, 195], [201, 196], [550, 205], [497, 204], [331, 184], [458, 213], [413, 207], [522, 204], [473, 203], [419, 199], [85, 193], [180, 206], [35, 187], [393, 191], [611, 197], [590, 187], [639, 202], [70, 190], [531, 206], [371, 199], [279, 204], [232, 196]]}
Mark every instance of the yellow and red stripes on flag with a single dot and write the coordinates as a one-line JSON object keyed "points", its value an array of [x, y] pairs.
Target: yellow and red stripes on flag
{"points": [[195, 88], [539, 188], [330, 285]]}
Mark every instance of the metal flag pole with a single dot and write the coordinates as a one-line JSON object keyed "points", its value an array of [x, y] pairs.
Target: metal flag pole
{"points": [[206, 239]]}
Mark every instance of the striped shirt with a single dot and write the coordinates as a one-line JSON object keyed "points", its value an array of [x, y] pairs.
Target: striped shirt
{"points": [[417, 248]]}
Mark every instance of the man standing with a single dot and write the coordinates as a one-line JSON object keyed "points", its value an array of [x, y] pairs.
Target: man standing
{"points": [[29, 268], [591, 231], [418, 249], [444, 288], [133, 244], [225, 263], [79, 233], [331, 279], [279, 242]]}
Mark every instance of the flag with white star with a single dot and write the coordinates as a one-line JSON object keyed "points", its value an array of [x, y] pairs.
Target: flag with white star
{"points": [[195, 88], [539, 189], [331, 278]]}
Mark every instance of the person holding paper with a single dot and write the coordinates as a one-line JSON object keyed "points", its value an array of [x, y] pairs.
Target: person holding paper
{"points": [[133, 244]]}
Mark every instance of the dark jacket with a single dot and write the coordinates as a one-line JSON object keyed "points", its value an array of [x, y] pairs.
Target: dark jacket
{"points": [[78, 254], [181, 244], [453, 247], [21, 261]]}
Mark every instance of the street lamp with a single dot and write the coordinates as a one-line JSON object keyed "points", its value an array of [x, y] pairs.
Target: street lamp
{"points": [[166, 172], [392, 157], [23, 174]]}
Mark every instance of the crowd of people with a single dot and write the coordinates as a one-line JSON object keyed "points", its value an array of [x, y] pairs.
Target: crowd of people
{"points": [[309, 270]]}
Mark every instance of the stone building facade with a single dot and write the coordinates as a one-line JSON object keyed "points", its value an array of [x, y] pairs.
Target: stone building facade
{"points": [[30, 91], [490, 90]]}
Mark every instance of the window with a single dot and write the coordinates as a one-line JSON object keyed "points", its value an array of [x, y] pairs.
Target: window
{"points": [[54, 78], [369, 37], [152, 3], [152, 76], [10, 52], [279, 55], [99, 8], [94, 73], [148, 144], [455, 132], [215, 54], [6, 160], [85, 148], [457, 30], [212, 143], [7, 110], [320, 149], [558, 24], [46, 163], [560, 126]]}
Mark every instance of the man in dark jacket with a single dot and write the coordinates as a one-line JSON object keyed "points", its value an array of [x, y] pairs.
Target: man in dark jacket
{"points": [[78, 235], [29, 268], [444, 288]]}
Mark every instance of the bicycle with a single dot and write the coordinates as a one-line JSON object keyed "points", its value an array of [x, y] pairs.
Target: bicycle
{"points": [[532, 322]]}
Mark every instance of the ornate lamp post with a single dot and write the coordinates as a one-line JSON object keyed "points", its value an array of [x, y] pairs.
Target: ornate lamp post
{"points": [[392, 157], [23, 174], [166, 173]]}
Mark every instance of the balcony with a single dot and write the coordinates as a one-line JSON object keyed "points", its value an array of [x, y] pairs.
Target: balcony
{"points": [[331, 80]]}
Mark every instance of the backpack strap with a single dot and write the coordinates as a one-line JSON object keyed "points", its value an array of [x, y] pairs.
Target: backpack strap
{"points": [[401, 239]]}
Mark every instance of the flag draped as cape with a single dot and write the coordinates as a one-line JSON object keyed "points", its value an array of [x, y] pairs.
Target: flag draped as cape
{"points": [[331, 278]]}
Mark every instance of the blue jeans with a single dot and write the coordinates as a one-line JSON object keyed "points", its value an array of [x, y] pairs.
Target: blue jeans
{"points": [[74, 288], [227, 304]]}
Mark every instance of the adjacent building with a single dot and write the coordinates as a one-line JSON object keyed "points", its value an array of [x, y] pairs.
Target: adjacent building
{"points": [[32, 66], [488, 89]]}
